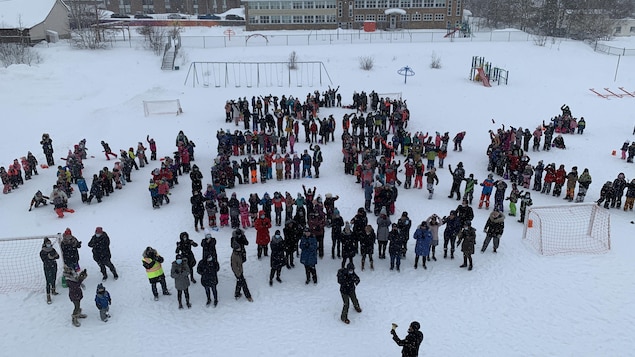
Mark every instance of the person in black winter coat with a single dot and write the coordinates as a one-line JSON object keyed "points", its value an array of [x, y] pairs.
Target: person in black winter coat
{"points": [[467, 239], [70, 249], [337, 222], [100, 242], [198, 209], [348, 280], [412, 341], [49, 257], [349, 244], [208, 269], [395, 248], [292, 232], [493, 229], [457, 177], [277, 256], [208, 244], [464, 212], [184, 248]]}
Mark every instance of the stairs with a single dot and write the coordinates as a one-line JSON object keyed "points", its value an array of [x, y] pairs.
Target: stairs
{"points": [[168, 59]]}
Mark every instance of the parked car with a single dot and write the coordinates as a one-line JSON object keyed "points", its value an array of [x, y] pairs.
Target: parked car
{"points": [[209, 17], [176, 17], [119, 16], [143, 16], [234, 17]]}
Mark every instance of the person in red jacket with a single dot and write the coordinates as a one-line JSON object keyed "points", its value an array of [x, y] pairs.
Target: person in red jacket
{"points": [[262, 225], [561, 175], [410, 171], [550, 177]]}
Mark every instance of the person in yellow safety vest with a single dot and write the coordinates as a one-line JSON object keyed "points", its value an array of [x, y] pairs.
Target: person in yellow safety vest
{"points": [[152, 262]]}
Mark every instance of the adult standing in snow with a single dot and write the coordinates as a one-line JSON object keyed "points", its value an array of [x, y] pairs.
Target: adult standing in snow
{"points": [[277, 257], [262, 225], [70, 249], [452, 228], [308, 257], [383, 222], [458, 175], [100, 242], [396, 247], [423, 238], [198, 208], [348, 280], [184, 247], [349, 244], [493, 229], [208, 268], [47, 147], [49, 257], [467, 239], [412, 341], [152, 263], [180, 272], [238, 257], [74, 280]]}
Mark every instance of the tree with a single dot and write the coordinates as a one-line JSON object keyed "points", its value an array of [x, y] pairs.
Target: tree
{"points": [[84, 20]]}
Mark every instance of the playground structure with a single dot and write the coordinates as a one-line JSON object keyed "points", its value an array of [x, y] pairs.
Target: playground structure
{"points": [[610, 93], [257, 74], [461, 30], [483, 71]]}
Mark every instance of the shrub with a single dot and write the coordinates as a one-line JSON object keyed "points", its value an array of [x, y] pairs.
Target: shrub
{"points": [[435, 61], [366, 63]]}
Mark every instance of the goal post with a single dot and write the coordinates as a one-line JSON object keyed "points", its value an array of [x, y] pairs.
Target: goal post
{"points": [[169, 106], [20, 264], [568, 229], [392, 96]]}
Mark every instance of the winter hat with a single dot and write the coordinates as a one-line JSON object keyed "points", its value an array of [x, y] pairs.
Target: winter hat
{"points": [[99, 230], [306, 229], [383, 211], [68, 232], [178, 256], [277, 232], [184, 235], [347, 226], [208, 235], [350, 266], [415, 325], [336, 212], [100, 288], [404, 214]]}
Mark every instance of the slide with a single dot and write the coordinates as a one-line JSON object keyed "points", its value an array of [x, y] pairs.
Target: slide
{"points": [[483, 77], [451, 33]]}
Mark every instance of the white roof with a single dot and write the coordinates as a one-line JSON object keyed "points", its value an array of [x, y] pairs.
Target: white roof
{"points": [[24, 13]]}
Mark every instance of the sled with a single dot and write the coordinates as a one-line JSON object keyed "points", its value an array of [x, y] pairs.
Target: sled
{"points": [[44, 166]]}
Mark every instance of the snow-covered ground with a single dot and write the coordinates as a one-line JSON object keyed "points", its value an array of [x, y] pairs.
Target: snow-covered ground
{"points": [[514, 303]]}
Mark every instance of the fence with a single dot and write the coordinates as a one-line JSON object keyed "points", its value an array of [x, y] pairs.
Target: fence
{"points": [[610, 50], [345, 37]]}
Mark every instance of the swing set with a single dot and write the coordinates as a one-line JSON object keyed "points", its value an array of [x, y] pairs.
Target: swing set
{"points": [[257, 74]]}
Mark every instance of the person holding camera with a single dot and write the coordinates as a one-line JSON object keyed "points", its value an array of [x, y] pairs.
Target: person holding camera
{"points": [[348, 280], [410, 344], [152, 262]]}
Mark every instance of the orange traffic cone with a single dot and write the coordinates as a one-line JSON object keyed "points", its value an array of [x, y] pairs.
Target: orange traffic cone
{"points": [[530, 223]]}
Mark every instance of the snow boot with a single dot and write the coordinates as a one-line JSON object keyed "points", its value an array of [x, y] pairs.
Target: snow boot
{"points": [[75, 321], [48, 299], [53, 292], [464, 262], [452, 254], [445, 253]]}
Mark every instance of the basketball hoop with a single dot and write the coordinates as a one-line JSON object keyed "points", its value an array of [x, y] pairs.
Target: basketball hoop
{"points": [[229, 33]]}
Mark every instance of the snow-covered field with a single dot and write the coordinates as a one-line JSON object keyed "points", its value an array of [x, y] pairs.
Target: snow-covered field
{"points": [[514, 303]]}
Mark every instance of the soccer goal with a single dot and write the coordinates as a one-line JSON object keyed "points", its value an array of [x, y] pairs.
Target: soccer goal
{"points": [[171, 106], [20, 263], [568, 229]]}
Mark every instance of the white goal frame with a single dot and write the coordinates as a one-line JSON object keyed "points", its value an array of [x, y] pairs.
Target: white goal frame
{"points": [[21, 265], [581, 228], [168, 106], [392, 96]]}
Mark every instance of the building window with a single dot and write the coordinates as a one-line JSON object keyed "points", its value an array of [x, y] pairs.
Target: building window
{"points": [[330, 4], [405, 18], [359, 18], [427, 17], [428, 3], [274, 5], [416, 17], [350, 10], [359, 4], [458, 7], [632, 30], [309, 4], [405, 3], [370, 17], [330, 19], [381, 18], [320, 19], [297, 4], [297, 19], [439, 17], [393, 3], [417, 3], [309, 19], [439, 3], [275, 19], [450, 8], [371, 4], [339, 9], [320, 5], [285, 19], [264, 19], [618, 29]]}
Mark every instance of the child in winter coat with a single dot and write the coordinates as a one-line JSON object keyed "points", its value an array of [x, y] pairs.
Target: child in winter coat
{"points": [[525, 202], [431, 177], [103, 301], [74, 280], [244, 213], [469, 188], [513, 198]]}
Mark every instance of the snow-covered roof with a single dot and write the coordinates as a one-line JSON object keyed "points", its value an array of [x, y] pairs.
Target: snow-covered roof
{"points": [[24, 13], [395, 11]]}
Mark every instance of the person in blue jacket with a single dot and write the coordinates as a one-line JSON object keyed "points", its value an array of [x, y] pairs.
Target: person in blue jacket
{"points": [[423, 238], [103, 301], [308, 257], [452, 228]]}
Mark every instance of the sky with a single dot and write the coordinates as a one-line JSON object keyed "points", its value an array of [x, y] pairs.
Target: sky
{"points": [[514, 303]]}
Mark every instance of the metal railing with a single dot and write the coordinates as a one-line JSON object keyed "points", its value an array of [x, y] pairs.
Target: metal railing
{"points": [[610, 50]]}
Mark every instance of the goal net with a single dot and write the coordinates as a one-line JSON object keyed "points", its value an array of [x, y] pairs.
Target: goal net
{"points": [[172, 106], [20, 264], [568, 229]]}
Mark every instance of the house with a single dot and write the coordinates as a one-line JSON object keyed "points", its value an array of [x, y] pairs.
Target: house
{"points": [[624, 27], [352, 14], [33, 20]]}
